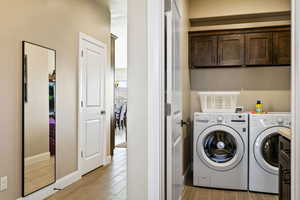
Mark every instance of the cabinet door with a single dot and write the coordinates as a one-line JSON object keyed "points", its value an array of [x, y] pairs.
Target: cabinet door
{"points": [[203, 51], [282, 48], [284, 169], [231, 50], [259, 48]]}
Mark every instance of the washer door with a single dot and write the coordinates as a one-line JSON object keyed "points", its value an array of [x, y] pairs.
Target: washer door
{"points": [[266, 149], [220, 147]]}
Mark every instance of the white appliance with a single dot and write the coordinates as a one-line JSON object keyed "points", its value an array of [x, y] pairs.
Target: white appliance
{"points": [[221, 150], [263, 150]]}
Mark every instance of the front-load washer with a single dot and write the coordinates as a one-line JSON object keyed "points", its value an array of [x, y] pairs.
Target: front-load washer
{"points": [[221, 150], [263, 150]]}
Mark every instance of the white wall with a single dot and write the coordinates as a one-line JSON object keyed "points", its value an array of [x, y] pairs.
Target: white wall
{"points": [[119, 29], [137, 100]]}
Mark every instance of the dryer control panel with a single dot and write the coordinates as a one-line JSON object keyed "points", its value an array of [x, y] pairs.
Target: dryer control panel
{"points": [[277, 121]]}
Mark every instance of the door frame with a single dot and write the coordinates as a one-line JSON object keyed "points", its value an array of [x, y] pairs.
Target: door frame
{"points": [[295, 97], [83, 36], [156, 110]]}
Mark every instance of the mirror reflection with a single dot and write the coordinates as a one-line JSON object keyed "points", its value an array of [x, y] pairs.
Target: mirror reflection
{"points": [[38, 117]]}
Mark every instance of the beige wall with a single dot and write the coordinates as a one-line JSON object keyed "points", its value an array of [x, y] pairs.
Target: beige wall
{"points": [[273, 100], [241, 78], [37, 105], [216, 8], [269, 84], [212, 8], [53, 23]]}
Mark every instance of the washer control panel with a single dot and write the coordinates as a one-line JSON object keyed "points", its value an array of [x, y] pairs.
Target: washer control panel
{"points": [[220, 118], [239, 118]]}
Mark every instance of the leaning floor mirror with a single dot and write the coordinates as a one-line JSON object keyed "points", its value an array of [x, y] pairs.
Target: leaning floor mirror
{"points": [[39, 119]]}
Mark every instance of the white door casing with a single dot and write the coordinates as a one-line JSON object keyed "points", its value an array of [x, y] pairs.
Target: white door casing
{"points": [[295, 98], [174, 138], [91, 128]]}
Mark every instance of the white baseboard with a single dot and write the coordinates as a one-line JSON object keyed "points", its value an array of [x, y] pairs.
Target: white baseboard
{"points": [[67, 180], [37, 158], [107, 160], [41, 194], [50, 190]]}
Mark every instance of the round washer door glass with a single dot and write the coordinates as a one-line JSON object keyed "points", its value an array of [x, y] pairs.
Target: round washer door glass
{"points": [[266, 149], [220, 146], [270, 149]]}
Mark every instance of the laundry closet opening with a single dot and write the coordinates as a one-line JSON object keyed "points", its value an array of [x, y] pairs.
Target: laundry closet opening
{"points": [[237, 96]]}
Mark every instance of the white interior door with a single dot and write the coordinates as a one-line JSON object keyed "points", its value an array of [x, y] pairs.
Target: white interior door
{"points": [[174, 95], [92, 114]]}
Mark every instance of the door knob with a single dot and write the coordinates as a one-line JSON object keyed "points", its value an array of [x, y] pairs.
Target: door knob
{"points": [[103, 112], [184, 123]]}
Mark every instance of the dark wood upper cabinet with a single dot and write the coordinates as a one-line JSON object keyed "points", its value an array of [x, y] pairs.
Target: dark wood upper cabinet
{"points": [[267, 46], [203, 51], [282, 48], [259, 49], [231, 50]]}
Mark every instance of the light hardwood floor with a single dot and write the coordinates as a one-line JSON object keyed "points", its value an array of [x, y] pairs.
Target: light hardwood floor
{"points": [[105, 183], [196, 193], [110, 183]]}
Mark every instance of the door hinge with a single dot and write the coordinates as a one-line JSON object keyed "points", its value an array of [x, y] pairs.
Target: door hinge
{"points": [[81, 103], [81, 53], [81, 154], [168, 109]]}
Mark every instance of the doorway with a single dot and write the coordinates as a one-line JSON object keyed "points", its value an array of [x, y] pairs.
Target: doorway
{"points": [[215, 71], [119, 65]]}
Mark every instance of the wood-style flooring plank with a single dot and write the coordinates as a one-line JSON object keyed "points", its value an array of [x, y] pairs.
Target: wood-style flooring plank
{"points": [[198, 193], [110, 183], [105, 183]]}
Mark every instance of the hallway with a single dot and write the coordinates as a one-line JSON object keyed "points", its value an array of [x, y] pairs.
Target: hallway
{"points": [[105, 183]]}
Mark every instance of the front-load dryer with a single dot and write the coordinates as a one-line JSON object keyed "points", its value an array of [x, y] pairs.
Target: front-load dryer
{"points": [[264, 150], [221, 150]]}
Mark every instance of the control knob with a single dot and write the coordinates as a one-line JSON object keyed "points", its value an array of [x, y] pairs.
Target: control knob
{"points": [[280, 120], [220, 119]]}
